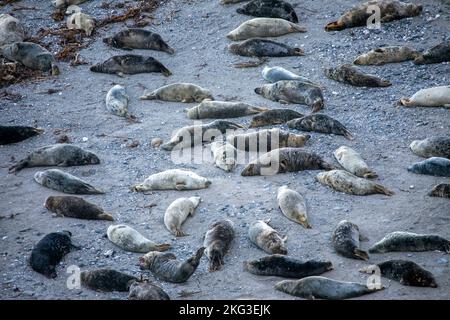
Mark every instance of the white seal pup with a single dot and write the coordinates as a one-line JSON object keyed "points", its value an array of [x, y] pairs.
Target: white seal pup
{"points": [[81, 21], [178, 92], [177, 213], [430, 97], [275, 74], [432, 147], [266, 238], [173, 179], [353, 162], [130, 239], [224, 155], [293, 206], [117, 101], [11, 30]]}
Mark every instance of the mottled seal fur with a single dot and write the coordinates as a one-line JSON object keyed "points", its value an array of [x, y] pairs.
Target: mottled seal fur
{"points": [[224, 155], [177, 213], [117, 101], [13, 134], [107, 280], [293, 206], [346, 238], [131, 240], [432, 147], [266, 238], [354, 76], [429, 97], [64, 182], [434, 166], [269, 9], [406, 272], [130, 64], [178, 92], [320, 123], [437, 54], [76, 207], [61, 155], [258, 47], [351, 161], [274, 116], [441, 190], [11, 30], [283, 266], [389, 54], [217, 242], [408, 241], [146, 291], [136, 38], [173, 179], [209, 109], [166, 267]]}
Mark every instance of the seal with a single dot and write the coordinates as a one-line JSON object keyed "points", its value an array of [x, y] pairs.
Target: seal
{"points": [[323, 288], [269, 9], [190, 136], [209, 109], [354, 76], [430, 97], [275, 74], [384, 55], [285, 160], [346, 182], [11, 30], [346, 238], [274, 116], [177, 213], [264, 27], [267, 139], [166, 267], [32, 56], [437, 54], [146, 291], [432, 147], [173, 179], [351, 161], [434, 166], [76, 207], [282, 266], [61, 155], [258, 47], [217, 242], [64, 182], [266, 238], [231, 1], [320, 123], [293, 206], [117, 101], [224, 155], [66, 3], [178, 92], [49, 251], [107, 280], [293, 91], [406, 272], [13, 134], [130, 64], [390, 10], [136, 38], [131, 240], [408, 241], [441, 190], [81, 21]]}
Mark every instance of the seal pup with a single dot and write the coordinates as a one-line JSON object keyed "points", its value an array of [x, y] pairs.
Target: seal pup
{"points": [[282, 266], [408, 241], [117, 101], [11, 30], [437, 54], [266, 238], [344, 181], [269, 9], [81, 21], [430, 97], [293, 91], [61, 155], [173, 179], [136, 38], [351, 161], [190, 136], [178, 92], [275, 74], [130, 64], [177, 213], [107, 280], [258, 47], [320, 123], [13, 134], [432, 147], [434, 166], [384, 55], [217, 241], [32, 56], [65, 3], [64, 182], [76, 207], [166, 267], [390, 10], [346, 238], [209, 109], [146, 291], [231, 1], [274, 116], [406, 272], [285, 160], [317, 287], [267, 139], [264, 27], [224, 155], [131, 240], [354, 76], [293, 206], [441, 190], [49, 251]]}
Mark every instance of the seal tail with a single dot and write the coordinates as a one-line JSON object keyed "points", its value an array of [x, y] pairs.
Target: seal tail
{"points": [[19, 166], [327, 166], [162, 247], [88, 189], [298, 52], [361, 254], [138, 188], [297, 28], [148, 96], [260, 109], [405, 102], [419, 59], [384, 83], [334, 26], [168, 146], [106, 216], [166, 72], [383, 190], [96, 68], [216, 260], [347, 134], [370, 175], [195, 260], [55, 70]]}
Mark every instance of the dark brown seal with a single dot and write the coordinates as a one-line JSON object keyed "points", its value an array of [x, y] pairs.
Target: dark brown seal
{"points": [[13, 134], [136, 38], [274, 116], [258, 47], [320, 123], [76, 207], [130, 64], [352, 75]]}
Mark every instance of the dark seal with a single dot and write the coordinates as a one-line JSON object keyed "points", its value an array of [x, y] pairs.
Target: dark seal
{"points": [[352, 75], [320, 123], [76, 207], [130, 64], [13, 134], [269, 9], [257, 47], [136, 38], [346, 238], [107, 280]]}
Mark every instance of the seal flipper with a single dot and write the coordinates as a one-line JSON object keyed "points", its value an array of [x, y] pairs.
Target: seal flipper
{"points": [[334, 26], [361, 254], [383, 190], [162, 247], [106, 216], [19, 166]]}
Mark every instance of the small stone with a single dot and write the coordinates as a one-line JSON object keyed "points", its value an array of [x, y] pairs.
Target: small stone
{"points": [[85, 139]]}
